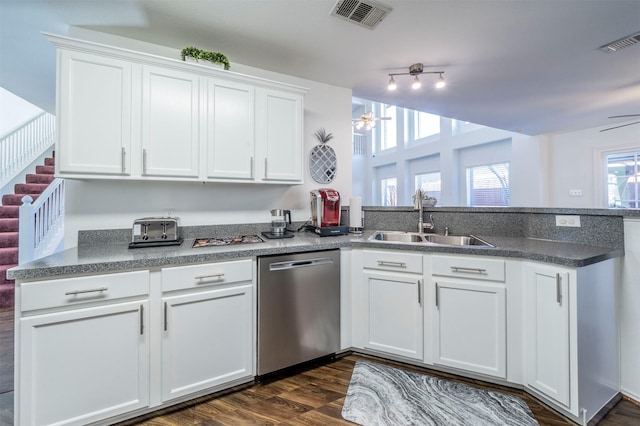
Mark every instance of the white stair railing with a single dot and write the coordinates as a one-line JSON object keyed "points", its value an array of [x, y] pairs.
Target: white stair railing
{"points": [[22, 146], [41, 229]]}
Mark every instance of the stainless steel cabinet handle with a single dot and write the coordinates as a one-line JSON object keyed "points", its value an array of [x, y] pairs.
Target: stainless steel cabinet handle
{"points": [[468, 270], [558, 289], [124, 156], [395, 264], [251, 167], [419, 294], [93, 290], [265, 168], [144, 161], [141, 320], [165, 316], [437, 301], [217, 276]]}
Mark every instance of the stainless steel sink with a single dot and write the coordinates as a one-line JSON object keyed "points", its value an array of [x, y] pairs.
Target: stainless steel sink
{"points": [[427, 239], [404, 237]]}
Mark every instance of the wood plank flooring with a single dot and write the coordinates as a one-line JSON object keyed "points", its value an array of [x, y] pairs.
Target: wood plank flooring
{"points": [[312, 396], [315, 397]]}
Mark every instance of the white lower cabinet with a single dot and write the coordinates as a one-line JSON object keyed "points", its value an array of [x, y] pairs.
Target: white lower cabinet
{"points": [[469, 315], [83, 363], [207, 339], [469, 326], [547, 328], [392, 303], [570, 328]]}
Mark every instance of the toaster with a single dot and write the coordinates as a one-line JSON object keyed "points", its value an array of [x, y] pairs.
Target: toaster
{"points": [[155, 231]]}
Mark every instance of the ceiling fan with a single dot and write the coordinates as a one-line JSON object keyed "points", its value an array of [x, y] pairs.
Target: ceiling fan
{"points": [[622, 125], [367, 121]]}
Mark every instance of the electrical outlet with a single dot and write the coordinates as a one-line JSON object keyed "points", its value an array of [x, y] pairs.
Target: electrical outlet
{"points": [[575, 192], [568, 220]]}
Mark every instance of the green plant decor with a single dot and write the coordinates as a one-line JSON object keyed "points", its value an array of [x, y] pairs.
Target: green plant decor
{"points": [[205, 55]]}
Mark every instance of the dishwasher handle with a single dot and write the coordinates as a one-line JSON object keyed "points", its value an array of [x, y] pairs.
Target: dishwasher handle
{"points": [[293, 264]]}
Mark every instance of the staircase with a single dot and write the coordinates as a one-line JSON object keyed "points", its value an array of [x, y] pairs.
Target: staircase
{"points": [[35, 185]]}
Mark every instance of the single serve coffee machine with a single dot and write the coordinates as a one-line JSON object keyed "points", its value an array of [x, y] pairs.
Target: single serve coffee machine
{"points": [[325, 213]]}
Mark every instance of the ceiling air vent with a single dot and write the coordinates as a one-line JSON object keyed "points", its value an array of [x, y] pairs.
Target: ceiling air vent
{"points": [[365, 13], [622, 43]]}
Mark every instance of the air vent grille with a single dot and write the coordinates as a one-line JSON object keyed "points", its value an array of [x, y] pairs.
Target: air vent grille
{"points": [[365, 13], [621, 44]]}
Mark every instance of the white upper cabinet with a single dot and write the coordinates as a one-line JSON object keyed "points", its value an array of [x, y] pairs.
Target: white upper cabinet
{"points": [[94, 114], [280, 129], [130, 115], [170, 123], [230, 130]]}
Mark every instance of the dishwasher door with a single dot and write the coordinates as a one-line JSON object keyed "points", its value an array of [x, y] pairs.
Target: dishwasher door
{"points": [[298, 308]]}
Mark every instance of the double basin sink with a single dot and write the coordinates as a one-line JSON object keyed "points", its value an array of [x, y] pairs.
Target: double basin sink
{"points": [[428, 239]]}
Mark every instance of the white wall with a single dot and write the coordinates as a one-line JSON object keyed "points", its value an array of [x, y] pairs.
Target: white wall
{"points": [[93, 204], [14, 112], [576, 160]]}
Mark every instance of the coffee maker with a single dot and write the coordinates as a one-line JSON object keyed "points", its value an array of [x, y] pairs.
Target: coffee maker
{"points": [[325, 212]]}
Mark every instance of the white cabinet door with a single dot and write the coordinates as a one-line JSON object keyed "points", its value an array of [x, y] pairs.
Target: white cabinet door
{"points": [[84, 365], [230, 130], [94, 115], [546, 321], [207, 339], [392, 313], [280, 116], [469, 323], [170, 123]]}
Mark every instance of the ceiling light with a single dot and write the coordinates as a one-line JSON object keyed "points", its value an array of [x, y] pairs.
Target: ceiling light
{"points": [[415, 70], [392, 84]]}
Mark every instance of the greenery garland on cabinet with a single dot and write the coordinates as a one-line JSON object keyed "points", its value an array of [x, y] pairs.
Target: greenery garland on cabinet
{"points": [[205, 55]]}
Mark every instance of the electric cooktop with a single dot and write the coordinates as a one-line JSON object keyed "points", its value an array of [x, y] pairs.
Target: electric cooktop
{"points": [[226, 241]]}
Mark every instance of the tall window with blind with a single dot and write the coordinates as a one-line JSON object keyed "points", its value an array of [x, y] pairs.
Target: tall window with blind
{"points": [[488, 185], [430, 183], [389, 191], [622, 180]]}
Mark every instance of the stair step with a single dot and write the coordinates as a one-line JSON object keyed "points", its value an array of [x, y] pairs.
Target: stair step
{"points": [[49, 162], [45, 170], [9, 212], [9, 224], [16, 199], [30, 188], [9, 239], [8, 255], [36, 178], [3, 273], [7, 294]]}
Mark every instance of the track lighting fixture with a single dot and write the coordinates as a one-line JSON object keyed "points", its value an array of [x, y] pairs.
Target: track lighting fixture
{"points": [[415, 70]]}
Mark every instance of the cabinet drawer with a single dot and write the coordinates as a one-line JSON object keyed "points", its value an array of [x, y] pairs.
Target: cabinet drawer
{"points": [[71, 291], [469, 267], [392, 261], [185, 277]]}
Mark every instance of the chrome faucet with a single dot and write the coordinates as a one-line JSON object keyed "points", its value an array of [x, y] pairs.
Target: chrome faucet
{"points": [[418, 205]]}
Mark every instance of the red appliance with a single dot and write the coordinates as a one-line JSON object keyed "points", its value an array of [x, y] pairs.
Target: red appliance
{"points": [[325, 207]]}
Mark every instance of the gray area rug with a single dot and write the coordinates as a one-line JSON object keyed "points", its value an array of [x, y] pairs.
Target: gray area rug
{"points": [[382, 395]]}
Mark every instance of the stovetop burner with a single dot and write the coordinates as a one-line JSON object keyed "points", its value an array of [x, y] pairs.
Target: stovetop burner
{"points": [[226, 241]]}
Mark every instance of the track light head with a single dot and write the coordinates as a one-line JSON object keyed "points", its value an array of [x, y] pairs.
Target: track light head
{"points": [[416, 83], [392, 84], [440, 83]]}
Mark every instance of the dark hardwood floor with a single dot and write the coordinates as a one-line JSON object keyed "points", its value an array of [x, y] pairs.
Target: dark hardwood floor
{"points": [[313, 396]]}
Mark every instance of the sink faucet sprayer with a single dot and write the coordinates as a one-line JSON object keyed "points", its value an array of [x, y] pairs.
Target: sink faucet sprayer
{"points": [[418, 205]]}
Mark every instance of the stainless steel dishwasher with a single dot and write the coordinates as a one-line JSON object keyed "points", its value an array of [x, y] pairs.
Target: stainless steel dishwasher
{"points": [[298, 308]]}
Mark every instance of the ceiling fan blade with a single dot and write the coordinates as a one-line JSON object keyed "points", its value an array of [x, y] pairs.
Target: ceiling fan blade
{"points": [[627, 115], [623, 125], [381, 118]]}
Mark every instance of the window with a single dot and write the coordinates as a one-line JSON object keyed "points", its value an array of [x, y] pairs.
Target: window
{"points": [[388, 131], [622, 180], [389, 191], [488, 185], [425, 125], [430, 183]]}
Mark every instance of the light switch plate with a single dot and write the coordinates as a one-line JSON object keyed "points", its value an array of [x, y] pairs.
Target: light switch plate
{"points": [[568, 220]]}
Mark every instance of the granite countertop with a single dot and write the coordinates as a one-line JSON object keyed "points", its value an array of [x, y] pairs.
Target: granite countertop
{"points": [[102, 258]]}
